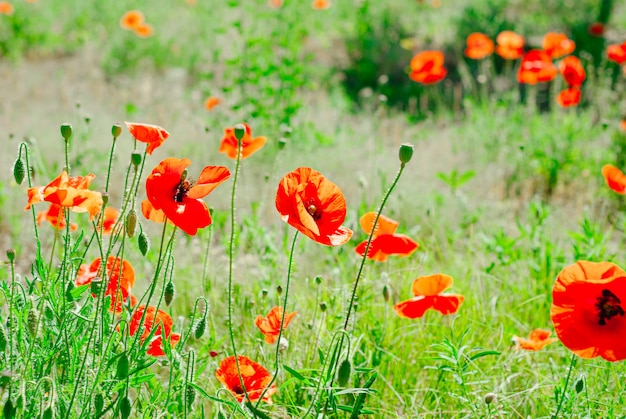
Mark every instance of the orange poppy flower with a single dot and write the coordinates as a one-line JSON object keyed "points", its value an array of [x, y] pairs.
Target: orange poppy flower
{"points": [[270, 325], [153, 135], [211, 102], [537, 340], [569, 97], [131, 19], [320, 4], [154, 319], [144, 30], [536, 67], [171, 191], [110, 218], [6, 8], [614, 178], [587, 309], [622, 125], [69, 192], [118, 287], [384, 241], [428, 295], [275, 4], [510, 45], [314, 206], [479, 46], [253, 375], [557, 45], [617, 53], [572, 71], [55, 216], [427, 67], [249, 145], [153, 214]]}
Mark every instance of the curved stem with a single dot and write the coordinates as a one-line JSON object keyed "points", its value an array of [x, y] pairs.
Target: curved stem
{"points": [[106, 185], [569, 375]]}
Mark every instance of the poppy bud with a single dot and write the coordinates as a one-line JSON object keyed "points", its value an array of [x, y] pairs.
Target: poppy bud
{"points": [[125, 407], [11, 255], [200, 328], [323, 306], [406, 152], [98, 404], [116, 130], [131, 223], [96, 285], [490, 398], [8, 410], [3, 339], [32, 321], [190, 395], [19, 171], [143, 242], [169, 293], [264, 293], [135, 158], [279, 290], [68, 291], [343, 374], [47, 414], [121, 371], [318, 279], [240, 131], [386, 292], [87, 119], [282, 142], [66, 131]]}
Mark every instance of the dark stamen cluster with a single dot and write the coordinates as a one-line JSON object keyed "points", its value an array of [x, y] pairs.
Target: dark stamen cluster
{"points": [[608, 306]]}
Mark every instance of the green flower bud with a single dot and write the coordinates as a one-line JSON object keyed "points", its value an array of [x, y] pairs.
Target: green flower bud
{"points": [[19, 171], [8, 410], [323, 306], [200, 328], [47, 414], [135, 158], [282, 142], [264, 293], [318, 279], [66, 131], [121, 371], [68, 291], [11, 255], [96, 285], [279, 290], [32, 321], [385, 292], [116, 130], [343, 375], [490, 398], [125, 407], [131, 223], [105, 199], [240, 131], [169, 293], [190, 396], [406, 152], [98, 404], [143, 242]]}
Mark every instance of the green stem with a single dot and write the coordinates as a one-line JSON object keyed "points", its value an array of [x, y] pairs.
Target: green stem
{"points": [[569, 375], [106, 185]]}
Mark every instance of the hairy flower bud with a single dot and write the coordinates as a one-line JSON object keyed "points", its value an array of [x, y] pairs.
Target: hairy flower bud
{"points": [[121, 371], [143, 242], [343, 374], [116, 130], [32, 321], [405, 153], [11, 255], [19, 171], [135, 158], [66, 131], [200, 328], [131, 223], [240, 131], [169, 293]]}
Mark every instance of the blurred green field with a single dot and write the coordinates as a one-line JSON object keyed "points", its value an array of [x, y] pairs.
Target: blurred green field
{"points": [[501, 194]]}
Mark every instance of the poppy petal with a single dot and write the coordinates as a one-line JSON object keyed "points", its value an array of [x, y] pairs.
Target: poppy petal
{"points": [[210, 178], [431, 285], [385, 225]]}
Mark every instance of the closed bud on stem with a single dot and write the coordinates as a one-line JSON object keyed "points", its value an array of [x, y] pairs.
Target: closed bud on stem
{"points": [[98, 404], [125, 407], [200, 328], [323, 306], [343, 374], [385, 292], [19, 171], [318, 279], [190, 396], [282, 142], [96, 285], [490, 398], [240, 131], [131, 223], [68, 291], [105, 199], [279, 290], [169, 293], [264, 293], [405, 153], [11, 255], [32, 321], [116, 130], [121, 371], [135, 158], [143, 242], [66, 131]]}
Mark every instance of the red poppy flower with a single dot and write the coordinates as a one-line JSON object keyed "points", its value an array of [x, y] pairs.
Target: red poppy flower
{"points": [[537, 340], [158, 320], [6, 8], [320, 4], [211, 102], [384, 241], [587, 309], [617, 53], [110, 218], [596, 29], [428, 295], [249, 145], [153, 135], [536, 67], [557, 45], [270, 325], [569, 97], [131, 19], [171, 191], [69, 192], [427, 67], [622, 125], [614, 178], [479, 46], [118, 287], [55, 216], [572, 71], [275, 4], [144, 31], [510, 45], [255, 378], [314, 206]]}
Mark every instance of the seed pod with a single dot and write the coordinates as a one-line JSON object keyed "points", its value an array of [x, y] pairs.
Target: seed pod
{"points": [[323, 306], [98, 404], [125, 407], [11, 255], [105, 199], [32, 321], [169, 293], [131, 223], [318, 279], [66, 131], [143, 242], [343, 375], [190, 395], [135, 158], [240, 131], [116, 130], [279, 290], [406, 153], [19, 171], [200, 328], [490, 398], [385, 292], [121, 371]]}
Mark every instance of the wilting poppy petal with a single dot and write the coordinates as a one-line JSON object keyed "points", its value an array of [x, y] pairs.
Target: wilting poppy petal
{"points": [[572, 71], [557, 45], [154, 319], [614, 178], [131, 19], [510, 45], [617, 53], [537, 340], [536, 66], [211, 102], [270, 325], [118, 282], [568, 97], [253, 375], [153, 135], [249, 145], [587, 309], [386, 245], [427, 67], [479, 46]]}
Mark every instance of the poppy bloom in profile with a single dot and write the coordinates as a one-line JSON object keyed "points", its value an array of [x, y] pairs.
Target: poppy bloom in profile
{"points": [[254, 376], [479, 46], [170, 190], [557, 44], [270, 325], [617, 53], [6, 8], [572, 71], [68, 192], [428, 295], [537, 340], [385, 241], [154, 319], [614, 178], [587, 309], [153, 135], [314, 206], [249, 145], [56, 217], [110, 218], [427, 67], [510, 45], [536, 67], [120, 279], [569, 97], [131, 20], [320, 4], [211, 102], [144, 30]]}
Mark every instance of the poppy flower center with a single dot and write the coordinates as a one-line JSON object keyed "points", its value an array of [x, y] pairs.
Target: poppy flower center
{"points": [[182, 189], [237, 389], [313, 209], [608, 306]]}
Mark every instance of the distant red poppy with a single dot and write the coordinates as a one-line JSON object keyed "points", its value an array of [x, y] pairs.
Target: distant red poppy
{"points": [[427, 67], [596, 29], [510, 45], [622, 125], [169, 189], [572, 71], [153, 135], [154, 319], [537, 340], [110, 218], [131, 19], [479, 46], [211, 102], [587, 309], [558, 44], [6, 8], [255, 378], [275, 3], [569, 97], [320, 4], [536, 67], [385, 242], [617, 53], [314, 206], [614, 178], [428, 295], [249, 145], [56, 217], [68, 192], [144, 30], [118, 282], [270, 325]]}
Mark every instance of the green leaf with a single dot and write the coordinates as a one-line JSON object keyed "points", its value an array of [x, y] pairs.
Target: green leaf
{"points": [[78, 291], [295, 373]]}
